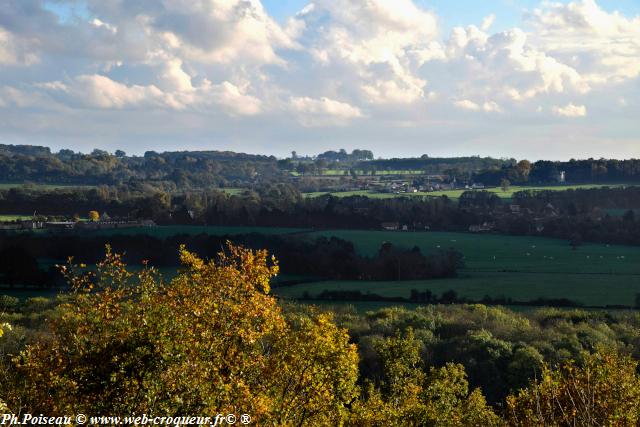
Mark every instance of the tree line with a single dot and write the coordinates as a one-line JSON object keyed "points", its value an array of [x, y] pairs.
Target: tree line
{"points": [[322, 258]]}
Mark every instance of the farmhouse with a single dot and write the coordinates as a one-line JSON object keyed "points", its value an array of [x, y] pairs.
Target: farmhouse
{"points": [[10, 226], [482, 228], [390, 226], [60, 225]]}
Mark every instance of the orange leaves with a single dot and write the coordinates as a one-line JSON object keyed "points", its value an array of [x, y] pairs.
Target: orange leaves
{"points": [[212, 339], [605, 390]]}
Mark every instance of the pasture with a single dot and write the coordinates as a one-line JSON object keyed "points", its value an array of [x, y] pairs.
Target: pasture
{"points": [[455, 194], [174, 230], [520, 268], [10, 217], [10, 185]]}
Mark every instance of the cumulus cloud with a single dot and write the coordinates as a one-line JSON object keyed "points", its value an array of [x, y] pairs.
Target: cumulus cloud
{"points": [[96, 91], [570, 110], [323, 111], [488, 107], [603, 46], [380, 43], [356, 65]]}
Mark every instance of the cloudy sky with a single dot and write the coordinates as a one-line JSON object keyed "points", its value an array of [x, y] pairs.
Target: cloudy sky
{"points": [[506, 78]]}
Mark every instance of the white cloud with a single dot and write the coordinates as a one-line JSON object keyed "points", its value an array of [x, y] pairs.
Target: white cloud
{"points": [[380, 43], [323, 111], [602, 46], [366, 67], [99, 24], [14, 51], [465, 104], [487, 22], [487, 107], [97, 91], [570, 110], [234, 99]]}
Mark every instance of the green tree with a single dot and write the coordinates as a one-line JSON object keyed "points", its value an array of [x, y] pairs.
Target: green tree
{"points": [[406, 396], [505, 185]]}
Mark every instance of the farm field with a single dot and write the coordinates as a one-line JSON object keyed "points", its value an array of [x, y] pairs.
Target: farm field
{"points": [[9, 217], [492, 252], [232, 191], [10, 185], [518, 267], [588, 289], [455, 194], [173, 230], [521, 268]]}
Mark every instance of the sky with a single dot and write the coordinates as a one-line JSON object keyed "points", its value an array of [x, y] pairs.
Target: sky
{"points": [[504, 78]]}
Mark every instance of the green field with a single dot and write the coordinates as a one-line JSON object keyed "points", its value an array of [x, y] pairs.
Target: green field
{"points": [[174, 230], [10, 185], [516, 267], [233, 191], [14, 217], [521, 268], [455, 194]]}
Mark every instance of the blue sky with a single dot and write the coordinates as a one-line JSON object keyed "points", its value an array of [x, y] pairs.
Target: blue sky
{"points": [[399, 77], [464, 12]]}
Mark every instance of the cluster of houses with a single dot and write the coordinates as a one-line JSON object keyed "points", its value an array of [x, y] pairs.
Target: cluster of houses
{"points": [[513, 210], [103, 223], [548, 212], [400, 186]]}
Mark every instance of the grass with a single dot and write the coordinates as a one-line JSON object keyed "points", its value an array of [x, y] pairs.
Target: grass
{"points": [[14, 217], [588, 289], [492, 252], [455, 194], [233, 191], [10, 185], [518, 267], [173, 230], [521, 268]]}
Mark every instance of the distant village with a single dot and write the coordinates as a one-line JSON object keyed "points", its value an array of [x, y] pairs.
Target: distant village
{"points": [[505, 212]]}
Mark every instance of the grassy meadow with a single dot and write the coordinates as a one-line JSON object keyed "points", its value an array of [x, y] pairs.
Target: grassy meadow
{"points": [[10, 185], [517, 267], [174, 230], [521, 268], [455, 194], [10, 217]]}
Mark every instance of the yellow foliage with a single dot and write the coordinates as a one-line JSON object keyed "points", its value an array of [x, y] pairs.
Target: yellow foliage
{"points": [[211, 340], [408, 397], [605, 390]]}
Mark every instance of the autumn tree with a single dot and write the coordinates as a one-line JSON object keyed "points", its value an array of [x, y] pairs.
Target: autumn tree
{"points": [[603, 390], [210, 340], [408, 396], [94, 215]]}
